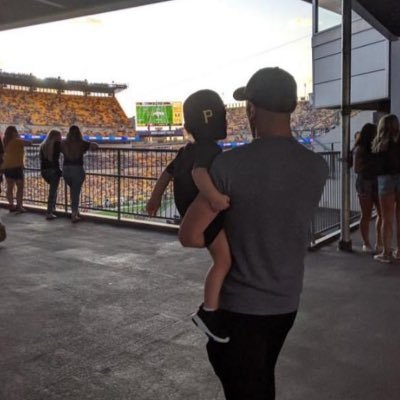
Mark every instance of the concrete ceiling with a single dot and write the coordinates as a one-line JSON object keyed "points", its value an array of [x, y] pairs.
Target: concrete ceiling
{"points": [[19, 13], [384, 15]]}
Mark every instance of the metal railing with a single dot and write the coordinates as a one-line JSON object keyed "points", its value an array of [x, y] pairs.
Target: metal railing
{"points": [[119, 183], [326, 220]]}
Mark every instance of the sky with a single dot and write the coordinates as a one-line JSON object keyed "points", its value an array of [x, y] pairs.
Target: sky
{"points": [[166, 51]]}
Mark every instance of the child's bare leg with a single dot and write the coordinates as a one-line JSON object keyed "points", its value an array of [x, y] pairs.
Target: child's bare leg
{"points": [[220, 253]]}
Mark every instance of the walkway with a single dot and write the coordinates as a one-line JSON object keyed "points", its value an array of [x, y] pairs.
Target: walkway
{"points": [[92, 311]]}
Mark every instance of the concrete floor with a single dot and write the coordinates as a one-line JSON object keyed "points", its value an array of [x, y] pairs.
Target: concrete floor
{"points": [[91, 311]]}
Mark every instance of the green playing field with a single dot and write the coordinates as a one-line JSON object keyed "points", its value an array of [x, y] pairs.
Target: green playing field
{"points": [[156, 114]]}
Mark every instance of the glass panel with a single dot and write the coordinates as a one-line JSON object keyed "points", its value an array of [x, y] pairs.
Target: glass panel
{"points": [[329, 14]]}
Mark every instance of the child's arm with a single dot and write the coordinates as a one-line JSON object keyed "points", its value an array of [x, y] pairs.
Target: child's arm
{"points": [[202, 179], [155, 199]]}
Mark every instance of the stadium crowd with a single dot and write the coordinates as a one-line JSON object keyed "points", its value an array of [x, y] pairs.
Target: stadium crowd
{"points": [[39, 111], [305, 120], [36, 112]]}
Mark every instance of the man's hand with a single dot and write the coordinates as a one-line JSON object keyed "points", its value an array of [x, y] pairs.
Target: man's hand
{"points": [[152, 206], [219, 202]]}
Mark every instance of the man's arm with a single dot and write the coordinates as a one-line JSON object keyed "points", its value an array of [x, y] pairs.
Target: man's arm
{"points": [[196, 220]]}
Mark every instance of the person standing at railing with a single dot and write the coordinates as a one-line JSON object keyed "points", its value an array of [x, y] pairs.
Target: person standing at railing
{"points": [[386, 146], [13, 167], [205, 120], [367, 186], [274, 185], [73, 148], [50, 170]]}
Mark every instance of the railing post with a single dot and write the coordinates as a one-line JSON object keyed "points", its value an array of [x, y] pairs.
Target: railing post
{"points": [[312, 231], [119, 183], [345, 238]]}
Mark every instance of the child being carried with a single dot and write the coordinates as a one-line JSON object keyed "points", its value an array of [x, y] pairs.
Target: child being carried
{"points": [[205, 119]]}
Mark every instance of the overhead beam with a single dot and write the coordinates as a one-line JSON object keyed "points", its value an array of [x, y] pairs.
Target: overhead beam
{"points": [[62, 14], [368, 17]]}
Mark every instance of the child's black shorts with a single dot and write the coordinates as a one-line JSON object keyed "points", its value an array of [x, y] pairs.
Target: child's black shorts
{"points": [[213, 229]]}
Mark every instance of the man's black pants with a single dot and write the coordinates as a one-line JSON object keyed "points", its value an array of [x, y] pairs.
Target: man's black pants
{"points": [[246, 364]]}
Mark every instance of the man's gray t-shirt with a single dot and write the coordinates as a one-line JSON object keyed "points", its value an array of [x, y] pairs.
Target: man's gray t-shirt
{"points": [[275, 185]]}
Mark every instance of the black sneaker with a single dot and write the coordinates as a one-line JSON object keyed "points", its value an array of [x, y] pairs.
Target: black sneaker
{"points": [[209, 322]]}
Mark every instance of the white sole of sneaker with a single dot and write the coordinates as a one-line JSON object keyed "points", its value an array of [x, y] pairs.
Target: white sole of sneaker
{"points": [[199, 323], [382, 260]]}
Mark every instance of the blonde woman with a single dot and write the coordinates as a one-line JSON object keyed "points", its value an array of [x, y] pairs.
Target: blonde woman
{"points": [[387, 147], [50, 168], [73, 148], [13, 167]]}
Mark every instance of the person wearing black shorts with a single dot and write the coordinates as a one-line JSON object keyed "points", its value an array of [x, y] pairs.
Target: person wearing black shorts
{"points": [[205, 120], [13, 167], [274, 184]]}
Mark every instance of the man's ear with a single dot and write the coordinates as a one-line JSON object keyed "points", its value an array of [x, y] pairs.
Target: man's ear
{"points": [[187, 128], [251, 111]]}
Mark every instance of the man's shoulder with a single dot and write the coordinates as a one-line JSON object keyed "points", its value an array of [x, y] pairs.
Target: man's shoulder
{"points": [[233, 154], [319, 163]]}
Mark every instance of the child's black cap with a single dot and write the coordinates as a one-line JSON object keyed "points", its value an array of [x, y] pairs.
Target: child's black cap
{"points": [[205, 115]]}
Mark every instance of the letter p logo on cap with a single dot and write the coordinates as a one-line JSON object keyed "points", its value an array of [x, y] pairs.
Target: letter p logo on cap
{"points": [[207, 114]]}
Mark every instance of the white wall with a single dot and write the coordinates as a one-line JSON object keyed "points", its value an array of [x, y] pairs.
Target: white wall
{"points": [[334, 136], [370, 65], [395, 78]]}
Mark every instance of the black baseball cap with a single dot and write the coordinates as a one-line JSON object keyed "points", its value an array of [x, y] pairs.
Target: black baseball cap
{"points": [[273, 89], [205, 115]]}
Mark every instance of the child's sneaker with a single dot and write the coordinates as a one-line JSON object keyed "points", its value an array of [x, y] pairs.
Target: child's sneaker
{"points": [[210, 324]]}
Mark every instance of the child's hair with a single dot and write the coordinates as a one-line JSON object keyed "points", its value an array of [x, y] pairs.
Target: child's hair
{"points": [[205, 115], [388, 130]]}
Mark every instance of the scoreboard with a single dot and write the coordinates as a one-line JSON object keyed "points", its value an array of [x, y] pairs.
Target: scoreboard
{"points": [[159, 114]]}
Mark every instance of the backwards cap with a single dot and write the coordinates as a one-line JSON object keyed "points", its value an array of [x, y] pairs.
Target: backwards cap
{"points": [[273, 89]]}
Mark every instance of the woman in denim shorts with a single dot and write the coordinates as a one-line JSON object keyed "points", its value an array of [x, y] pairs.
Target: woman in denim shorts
{"points": [[367, 186], [386, 146]]}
